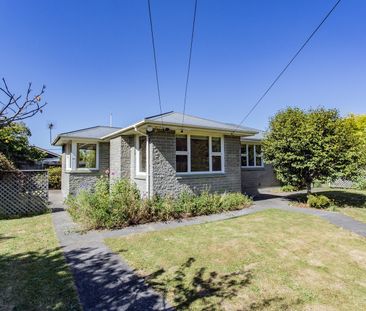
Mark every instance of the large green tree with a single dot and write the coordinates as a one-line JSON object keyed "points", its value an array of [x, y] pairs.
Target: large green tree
{"points": [[14, 144], [304, 146]]}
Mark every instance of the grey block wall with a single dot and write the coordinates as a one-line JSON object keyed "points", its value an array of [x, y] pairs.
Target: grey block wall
{"points": [[164, 180], [73, 182], [120, 157], [255, 178]]}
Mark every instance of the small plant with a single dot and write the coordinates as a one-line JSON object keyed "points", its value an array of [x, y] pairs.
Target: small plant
{"points": [[289, 188], [318, 201], [54, 177]]}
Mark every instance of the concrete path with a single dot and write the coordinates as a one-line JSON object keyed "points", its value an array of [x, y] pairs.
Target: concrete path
{"points": [[105, 282]]}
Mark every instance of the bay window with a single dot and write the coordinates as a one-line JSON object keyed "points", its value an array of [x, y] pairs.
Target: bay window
{"points": [[199, 154], [251, 155]]}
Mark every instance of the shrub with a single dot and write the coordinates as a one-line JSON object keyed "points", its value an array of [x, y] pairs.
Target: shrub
{"points": [[360, 183], [318, 201], [122, 205], [6, 164], [54, 177], [289, 188]]}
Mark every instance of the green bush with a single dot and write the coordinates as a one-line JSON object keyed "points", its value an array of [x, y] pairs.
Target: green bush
{"points": [[360, 183], [122, 205], [318, 201], [289, 188], [6, 164], [54, 177]]}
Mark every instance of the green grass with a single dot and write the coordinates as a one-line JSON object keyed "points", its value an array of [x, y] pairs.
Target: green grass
{"points": [[33, 271], [346, 201], [272, 260]]}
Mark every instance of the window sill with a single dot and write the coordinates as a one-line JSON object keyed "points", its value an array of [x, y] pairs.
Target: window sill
{"points": [[140, 176], [201, 175], [253, 168], [82, 171]]}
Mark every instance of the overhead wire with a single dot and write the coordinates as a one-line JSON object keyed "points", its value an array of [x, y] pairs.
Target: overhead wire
{"points": [[155, 62], [287, 66], [189, 61]]}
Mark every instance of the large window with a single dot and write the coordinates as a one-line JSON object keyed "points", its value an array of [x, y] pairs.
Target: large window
{"points": [[141, 154], [86, 156], [251, 155], [199, 154]]}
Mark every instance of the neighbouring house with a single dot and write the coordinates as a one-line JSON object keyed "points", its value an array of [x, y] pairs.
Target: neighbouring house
{"points": [[164, 156], [49, 159]]}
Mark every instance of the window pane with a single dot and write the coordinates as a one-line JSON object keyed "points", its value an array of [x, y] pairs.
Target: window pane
{"points": [[216, 144], [216, 163], [243, 149], [199, 154], [243, 161], [258, 149], [251, 155], [181, 143], [181, 163], [258, 161], [87, 155], [142, 149]]}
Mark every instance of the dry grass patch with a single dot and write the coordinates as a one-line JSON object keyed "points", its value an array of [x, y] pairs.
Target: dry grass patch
{"points": [[33, 271], [272, 260]]}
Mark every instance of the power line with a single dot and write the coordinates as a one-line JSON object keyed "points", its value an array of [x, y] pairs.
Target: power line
{"points": [[288, 65], [155, 62], [189, 61]]}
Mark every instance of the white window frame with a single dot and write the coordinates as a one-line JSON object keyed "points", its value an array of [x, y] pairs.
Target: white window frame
{"points": [[73, 154], [246, 154], [210, 155], [137, 144]]}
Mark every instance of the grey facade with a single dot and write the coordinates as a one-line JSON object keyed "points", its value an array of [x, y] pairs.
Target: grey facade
{"points": [[253, 179], [118, 153], [73, 182], [165, 180]]}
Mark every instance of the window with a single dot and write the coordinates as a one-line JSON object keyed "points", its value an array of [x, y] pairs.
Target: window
{"points": [[181, 153], [86, 156], [251, 155], [199, 154], [141, 154]]}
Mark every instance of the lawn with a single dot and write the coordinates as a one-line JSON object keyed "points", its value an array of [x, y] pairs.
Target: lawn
{"points": [[346, 201], [272, 260], [33, 272]]}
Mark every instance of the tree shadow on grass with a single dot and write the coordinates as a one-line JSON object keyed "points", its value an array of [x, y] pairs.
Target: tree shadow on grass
{"points": [[210, 290], [341, 198], [38, 280]]}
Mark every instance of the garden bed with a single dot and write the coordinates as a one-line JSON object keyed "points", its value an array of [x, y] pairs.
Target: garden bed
{"points": [[122, 205]]}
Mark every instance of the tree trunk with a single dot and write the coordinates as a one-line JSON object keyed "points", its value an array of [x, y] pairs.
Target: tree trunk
{"points": [[308, 187]]}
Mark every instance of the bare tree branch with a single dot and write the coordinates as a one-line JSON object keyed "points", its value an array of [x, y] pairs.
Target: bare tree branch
{"points": [[12, 109]]}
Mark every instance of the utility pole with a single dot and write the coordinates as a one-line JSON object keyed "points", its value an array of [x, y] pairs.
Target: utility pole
{"points": [[50, 127]]}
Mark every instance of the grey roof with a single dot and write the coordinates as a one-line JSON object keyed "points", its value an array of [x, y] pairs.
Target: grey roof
{"points": [[95, 132], [257, 137], [177, 118]]}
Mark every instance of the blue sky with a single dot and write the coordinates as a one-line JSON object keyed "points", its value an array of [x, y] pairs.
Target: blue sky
{"points": [[95, 58]]}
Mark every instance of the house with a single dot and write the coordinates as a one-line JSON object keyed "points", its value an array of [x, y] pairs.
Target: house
{"points": [[48, 159], [164, 155]]}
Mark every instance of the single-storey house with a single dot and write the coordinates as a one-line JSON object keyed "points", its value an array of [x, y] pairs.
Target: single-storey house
{"points": [[164, 155]]}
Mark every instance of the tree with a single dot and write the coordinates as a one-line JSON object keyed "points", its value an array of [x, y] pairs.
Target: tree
{"points": [[14, 144], [14, 108], [318, 144]]}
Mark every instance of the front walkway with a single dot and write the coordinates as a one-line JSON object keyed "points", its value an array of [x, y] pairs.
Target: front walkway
{"points": [[105, 282]]}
